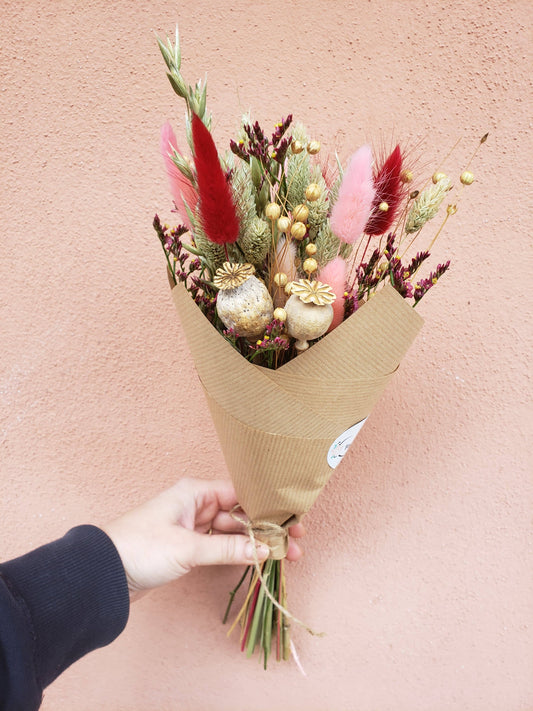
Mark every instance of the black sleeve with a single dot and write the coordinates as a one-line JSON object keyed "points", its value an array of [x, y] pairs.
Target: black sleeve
{"points": [[57, 603]]}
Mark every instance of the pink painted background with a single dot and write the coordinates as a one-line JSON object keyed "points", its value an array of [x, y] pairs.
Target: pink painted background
{"points": [[418, 561]]}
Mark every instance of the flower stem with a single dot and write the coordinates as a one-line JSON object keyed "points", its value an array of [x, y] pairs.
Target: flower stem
{"points": [[250, 635], [233, 592]]}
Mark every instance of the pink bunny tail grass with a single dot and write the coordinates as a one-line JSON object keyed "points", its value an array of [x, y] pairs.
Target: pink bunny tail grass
{"points": [[181, 189], [389, 190], [356, 196], [335, 274], [217, 209]]}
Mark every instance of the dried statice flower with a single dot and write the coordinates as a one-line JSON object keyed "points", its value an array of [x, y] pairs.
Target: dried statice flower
{"points": [[416, 262], [280, 130], [242, 137], [176, 256], [270, 349], [399, 278], [424, 285], [279, 141]]}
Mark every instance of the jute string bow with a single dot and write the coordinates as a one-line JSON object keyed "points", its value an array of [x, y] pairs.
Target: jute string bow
{"points": [[277, 539]]}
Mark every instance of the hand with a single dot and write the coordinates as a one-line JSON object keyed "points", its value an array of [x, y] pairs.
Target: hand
{"points": [[169, 535]]}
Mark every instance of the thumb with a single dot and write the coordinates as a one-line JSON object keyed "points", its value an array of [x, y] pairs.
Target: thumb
{"points": [[227, 549]]}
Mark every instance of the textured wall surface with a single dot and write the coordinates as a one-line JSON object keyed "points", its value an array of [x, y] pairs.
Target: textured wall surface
{"points": [[418, 558]]}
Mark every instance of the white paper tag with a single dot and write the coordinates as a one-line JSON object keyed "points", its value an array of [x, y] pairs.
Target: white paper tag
{"points": [[341, 445]]}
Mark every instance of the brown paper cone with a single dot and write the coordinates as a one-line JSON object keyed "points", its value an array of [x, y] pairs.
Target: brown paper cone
{"points": [[276, 427]]}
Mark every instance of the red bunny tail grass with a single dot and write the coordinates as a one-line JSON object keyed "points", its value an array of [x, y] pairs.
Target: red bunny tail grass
{"points": [[389, 192], [217, 209]]}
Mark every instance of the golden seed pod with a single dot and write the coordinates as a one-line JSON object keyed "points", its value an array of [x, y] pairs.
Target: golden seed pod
{"points": [[280, 279], [231, 275], [288, 288], [310, 265], [313, 192], [310, 249], [313, 292], [437, 177], [300, 213], [283, 224], [272, 211], [296, 147], [384, 206], [467, 178], [280, 314], [298, 230], [451, 209], [406, 176], [313, 147]]}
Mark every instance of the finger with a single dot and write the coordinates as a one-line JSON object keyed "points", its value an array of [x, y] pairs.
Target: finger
{"points": [[220, 489], [294, 552], [227, 523], [226, 549], [297, 531]]}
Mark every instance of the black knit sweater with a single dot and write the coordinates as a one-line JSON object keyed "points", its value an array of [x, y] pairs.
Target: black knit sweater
{"points": [[57, 603]]}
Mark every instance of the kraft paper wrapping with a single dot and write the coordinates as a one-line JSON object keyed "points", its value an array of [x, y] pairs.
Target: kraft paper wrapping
{"points": [[276, 426]]}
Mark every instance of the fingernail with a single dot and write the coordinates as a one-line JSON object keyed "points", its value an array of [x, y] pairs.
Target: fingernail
{"points": [[261, 551]]}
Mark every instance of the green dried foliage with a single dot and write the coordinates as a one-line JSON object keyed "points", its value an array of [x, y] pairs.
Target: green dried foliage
{"points": [[298, 178], [318, 209], [256, 241], [345, 250], [213, 254], [299, 133], [183, 166], [426, 205], [327, 245], [243, 194], [334, 190], [298, 169]]}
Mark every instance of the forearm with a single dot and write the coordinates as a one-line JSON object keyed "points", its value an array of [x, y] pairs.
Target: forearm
{"points": [[57, 603]]}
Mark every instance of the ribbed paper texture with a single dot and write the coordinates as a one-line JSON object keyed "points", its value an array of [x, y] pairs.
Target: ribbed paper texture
{"points": [[276, 426]]}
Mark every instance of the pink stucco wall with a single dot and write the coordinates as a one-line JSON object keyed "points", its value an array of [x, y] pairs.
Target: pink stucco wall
{"points": [[418, 563]]}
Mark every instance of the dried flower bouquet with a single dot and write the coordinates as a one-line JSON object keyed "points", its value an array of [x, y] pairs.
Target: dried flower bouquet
{"points": [[295, 284]]}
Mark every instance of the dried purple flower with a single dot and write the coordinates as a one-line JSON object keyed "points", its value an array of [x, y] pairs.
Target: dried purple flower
{"points": [[424, 285]]}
